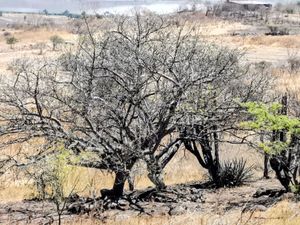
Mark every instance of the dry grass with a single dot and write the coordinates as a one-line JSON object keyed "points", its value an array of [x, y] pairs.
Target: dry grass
{"points": [[292, 41], [284, 213], [287, 81], [183, 168], [25, 45], [218, 28], [34, 36]]}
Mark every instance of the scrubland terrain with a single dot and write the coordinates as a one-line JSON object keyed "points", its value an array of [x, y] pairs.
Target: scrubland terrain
{"points": [[226, 206]]}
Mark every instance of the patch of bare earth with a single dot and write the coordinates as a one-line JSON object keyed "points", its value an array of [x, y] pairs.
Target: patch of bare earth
{"points": [[175, 200]]}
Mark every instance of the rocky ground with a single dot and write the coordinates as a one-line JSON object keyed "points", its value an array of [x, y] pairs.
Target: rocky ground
{"points": [[175, 200]]}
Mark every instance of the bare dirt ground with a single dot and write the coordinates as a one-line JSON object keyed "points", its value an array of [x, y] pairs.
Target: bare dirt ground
{"points": [[196, 199]]}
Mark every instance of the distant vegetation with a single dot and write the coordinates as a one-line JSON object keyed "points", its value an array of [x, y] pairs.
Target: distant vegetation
{"points": [[11, 41], [56, 41]]}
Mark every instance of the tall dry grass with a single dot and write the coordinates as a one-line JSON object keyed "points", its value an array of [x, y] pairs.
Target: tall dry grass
{"points": [[183, 168]]}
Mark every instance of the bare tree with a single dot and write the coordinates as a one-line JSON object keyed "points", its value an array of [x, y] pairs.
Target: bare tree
{"points": [[41, 46], [213, 112], [135, 92]]}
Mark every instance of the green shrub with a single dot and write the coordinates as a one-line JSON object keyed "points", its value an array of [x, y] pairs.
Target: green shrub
{"points": [[56, 40], [295, 189], [11, 41]]}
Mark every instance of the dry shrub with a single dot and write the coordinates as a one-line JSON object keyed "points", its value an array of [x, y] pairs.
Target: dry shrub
{"points": [[234, 173]]}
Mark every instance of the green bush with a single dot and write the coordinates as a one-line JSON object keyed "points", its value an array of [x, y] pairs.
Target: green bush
{"points": [[11, 41], [56, 40]]}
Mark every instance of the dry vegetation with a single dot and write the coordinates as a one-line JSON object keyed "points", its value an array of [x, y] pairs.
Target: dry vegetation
{"points": [[284, 213], [274, 49]]}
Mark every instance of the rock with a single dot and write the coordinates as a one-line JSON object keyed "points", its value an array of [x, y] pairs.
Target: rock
{"points": [[87, 207], [177, 210], [113, 205], [194, 198], [74, 197], [261, 205], [75, 208], [260, 208], [268, 192], [123, 202], [288, 195], [194, 191]]}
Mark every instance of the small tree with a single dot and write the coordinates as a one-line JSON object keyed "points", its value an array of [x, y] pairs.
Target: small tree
{"points": [[51, 176], [283, 146], [83, 15], [45, 11], [41, 46], [58, 176], [56, 40], [11, 41]]}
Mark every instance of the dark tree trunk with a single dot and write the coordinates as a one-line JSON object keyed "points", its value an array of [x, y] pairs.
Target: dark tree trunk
{"points": [[216, 148], [215, 174], [157, 180], [207, 161], [118, 188], [282, 174], [266, 158], [266, 163], [155, 173], [119, 183], [281, 163], [213, 163]]}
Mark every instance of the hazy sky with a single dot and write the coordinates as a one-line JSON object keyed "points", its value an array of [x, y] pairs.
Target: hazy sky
{"points": [[79, 5]]}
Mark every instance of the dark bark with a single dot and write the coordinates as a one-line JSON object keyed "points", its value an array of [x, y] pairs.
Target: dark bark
{"points": [[157, 180], [281, 162], [212, 164], [119, 183], [118, 188], [266, 159], [216, 148], [266, 163], [281, 172], [155, 173]]}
